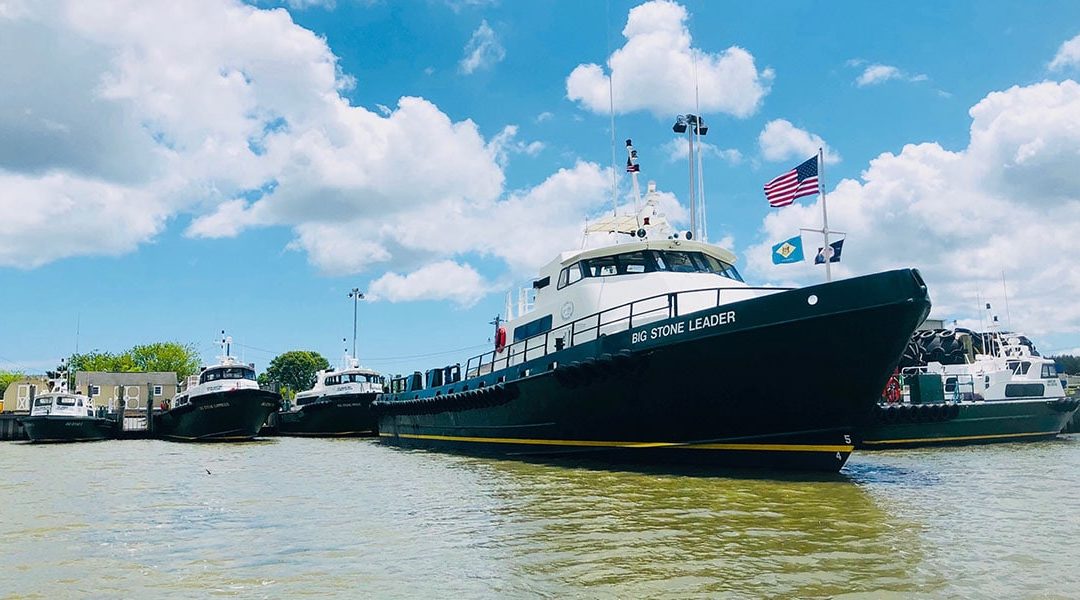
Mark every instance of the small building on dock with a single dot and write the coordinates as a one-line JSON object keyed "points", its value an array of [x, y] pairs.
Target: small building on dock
{"points": [[21, 393], [107, 389]]}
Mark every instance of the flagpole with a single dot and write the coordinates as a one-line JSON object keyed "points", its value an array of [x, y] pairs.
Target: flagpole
{"points": [[827, 250]]}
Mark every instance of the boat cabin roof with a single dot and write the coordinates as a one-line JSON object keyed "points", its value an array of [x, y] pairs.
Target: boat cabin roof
{"points": [[567, 258]]}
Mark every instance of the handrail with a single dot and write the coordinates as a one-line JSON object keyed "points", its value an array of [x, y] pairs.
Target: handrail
{"points": [[571, 332]]}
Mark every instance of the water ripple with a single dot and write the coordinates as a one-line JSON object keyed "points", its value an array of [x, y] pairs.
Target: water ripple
{"points": [[341, 518]]}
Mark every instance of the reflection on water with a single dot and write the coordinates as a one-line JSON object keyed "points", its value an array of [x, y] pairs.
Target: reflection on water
{"points": [[294, 517]]}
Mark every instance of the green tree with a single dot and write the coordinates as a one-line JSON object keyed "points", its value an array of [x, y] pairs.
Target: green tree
{"points": [[166, 356], [1067, 363], [158, 356], [7, 378], [294, 371], [98, 361]]}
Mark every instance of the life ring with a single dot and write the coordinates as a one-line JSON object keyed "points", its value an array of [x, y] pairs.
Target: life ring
{"points": [[892, 390], [500, 339]]}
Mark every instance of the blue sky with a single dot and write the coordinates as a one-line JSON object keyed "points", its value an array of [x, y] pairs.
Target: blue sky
{"points": [[168, 171]]}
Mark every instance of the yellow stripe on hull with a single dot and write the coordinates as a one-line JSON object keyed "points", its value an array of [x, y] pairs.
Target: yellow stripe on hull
{"points": [[960, 438], [605, 444], [231, 438]]}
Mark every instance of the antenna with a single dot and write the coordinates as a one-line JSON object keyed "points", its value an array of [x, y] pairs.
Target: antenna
{"points": [[611, 111], [704, 233], [1005, 290]]}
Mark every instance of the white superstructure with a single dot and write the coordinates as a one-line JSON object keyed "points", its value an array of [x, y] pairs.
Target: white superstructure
{"points": [[59, 402], [330, 383], [227, 375], [1013, 373]]}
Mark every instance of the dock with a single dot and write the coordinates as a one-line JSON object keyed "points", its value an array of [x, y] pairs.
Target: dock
{"points": [[10, 429]]}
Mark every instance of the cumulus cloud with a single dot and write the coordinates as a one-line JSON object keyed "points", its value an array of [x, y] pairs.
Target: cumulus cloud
{"points": [[445, 280], [123, 116], [655, 70], [482, 51], [1068, 55], [59, 215], [780, 140], [1009, 201]]}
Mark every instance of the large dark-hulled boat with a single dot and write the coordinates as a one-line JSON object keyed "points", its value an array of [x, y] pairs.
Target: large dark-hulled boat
{"points": [[61, 416], [339, 404], [1009, 394], [226, 404], [656, 350]]}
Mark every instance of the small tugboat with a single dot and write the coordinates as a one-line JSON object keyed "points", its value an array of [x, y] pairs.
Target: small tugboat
{"points": [[338, 405], [655, 350], [226, 404], [61, 416], [1009, 395]]}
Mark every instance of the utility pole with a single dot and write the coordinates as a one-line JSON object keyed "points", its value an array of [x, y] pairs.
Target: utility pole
{"points": [[356, 296]]}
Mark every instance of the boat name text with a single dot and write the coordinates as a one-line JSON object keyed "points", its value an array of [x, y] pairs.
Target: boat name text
{"points": [[681, 327]]}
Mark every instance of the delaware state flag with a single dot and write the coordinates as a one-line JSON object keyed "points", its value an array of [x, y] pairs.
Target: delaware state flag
{"points": [[788, 251]]}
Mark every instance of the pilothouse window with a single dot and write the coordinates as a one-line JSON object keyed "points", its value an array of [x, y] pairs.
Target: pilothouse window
{"points": [[229, 373], [647, 261]]}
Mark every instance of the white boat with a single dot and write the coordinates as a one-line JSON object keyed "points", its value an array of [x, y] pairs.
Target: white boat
{"points": [[225, 403], [1011, 395], [63, 416], [339, 404]]}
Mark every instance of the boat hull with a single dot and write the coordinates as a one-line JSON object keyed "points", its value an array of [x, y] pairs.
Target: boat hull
{"points": [[53, 429], [330, 416], [236, 415], [969, 423], [747, 392]]}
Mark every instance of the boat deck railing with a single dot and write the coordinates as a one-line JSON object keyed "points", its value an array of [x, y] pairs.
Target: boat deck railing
{"points": [[610, 321], [957, 386]]}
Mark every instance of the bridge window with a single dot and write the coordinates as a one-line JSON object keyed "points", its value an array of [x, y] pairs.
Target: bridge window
{"points": [[1021, 390]]}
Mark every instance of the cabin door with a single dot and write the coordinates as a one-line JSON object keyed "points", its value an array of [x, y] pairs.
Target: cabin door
{"points": [[24, 396]]}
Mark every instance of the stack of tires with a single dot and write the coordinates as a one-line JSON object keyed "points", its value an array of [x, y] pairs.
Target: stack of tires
{"points": [[944, 346]]}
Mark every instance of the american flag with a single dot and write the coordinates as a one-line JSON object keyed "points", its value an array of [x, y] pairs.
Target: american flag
{"points": [[631, 165], [796, 183]]}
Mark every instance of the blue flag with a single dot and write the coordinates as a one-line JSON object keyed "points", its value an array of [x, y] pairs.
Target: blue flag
{"points": [[834, 252], [788, 251]]}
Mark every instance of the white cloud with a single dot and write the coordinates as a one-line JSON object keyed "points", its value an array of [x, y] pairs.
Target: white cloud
{"points": [[482, 51], [122, 116], [505, 143], [780, 140], [1068, 55], [544, 116], [1009, 201], [679, 148], [876, 73], [58, 215], [445, 280], [655, 70]]}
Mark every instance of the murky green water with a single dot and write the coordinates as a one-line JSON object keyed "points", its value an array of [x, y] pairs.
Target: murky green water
{"points": [[352, 518]]}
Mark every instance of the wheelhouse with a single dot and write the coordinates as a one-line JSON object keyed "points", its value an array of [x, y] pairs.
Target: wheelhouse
{"points": [[232, 372], [63, 404], [646, 261], [344, 378]]}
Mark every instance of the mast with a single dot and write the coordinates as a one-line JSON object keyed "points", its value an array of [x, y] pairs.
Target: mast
{"points": [[827, 250], [1005, 290], [633, 168]]}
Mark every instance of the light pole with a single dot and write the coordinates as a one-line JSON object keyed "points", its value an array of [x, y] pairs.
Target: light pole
{"points": [[693, 126], [356, 296]]}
